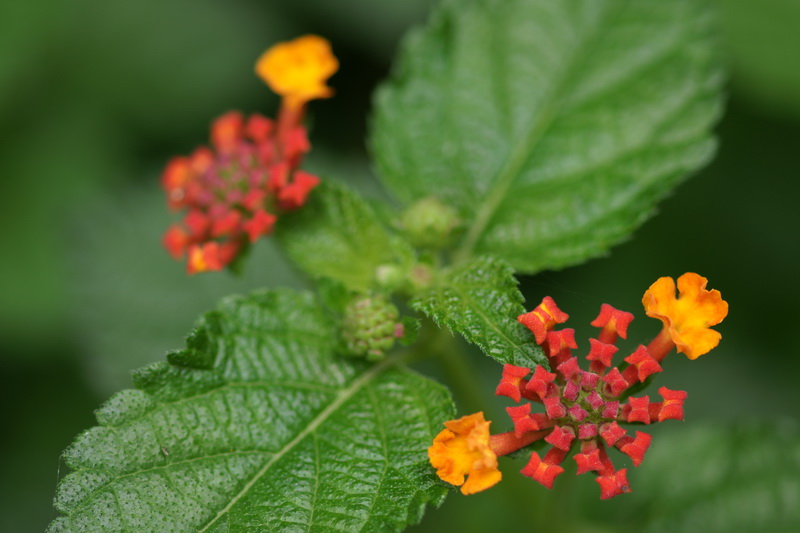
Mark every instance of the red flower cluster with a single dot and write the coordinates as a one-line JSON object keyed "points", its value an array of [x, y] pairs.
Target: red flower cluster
{"points": [[583, 409], [234, 191]]}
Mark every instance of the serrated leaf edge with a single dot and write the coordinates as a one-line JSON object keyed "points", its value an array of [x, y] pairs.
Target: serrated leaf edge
{"points": [[504, 270]]}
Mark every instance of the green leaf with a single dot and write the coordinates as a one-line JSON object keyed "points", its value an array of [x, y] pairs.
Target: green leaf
{"points": [[554, 127], [481, 301], [741, 478], [258, 426], [374, 26], [337, 235], [135, 299]]}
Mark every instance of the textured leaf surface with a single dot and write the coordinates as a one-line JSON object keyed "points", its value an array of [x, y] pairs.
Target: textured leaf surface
{"points": [[135, 301], [481, 301], [737, 480], [257, 426], [553, 126], [338, 236]]}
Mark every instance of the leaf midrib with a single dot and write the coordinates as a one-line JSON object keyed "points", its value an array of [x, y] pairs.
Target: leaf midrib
{"points": [[343, 396], [519, 155]]}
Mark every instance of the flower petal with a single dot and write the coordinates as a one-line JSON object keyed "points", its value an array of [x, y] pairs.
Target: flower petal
{"points": [[687, 317], [463, 450]]}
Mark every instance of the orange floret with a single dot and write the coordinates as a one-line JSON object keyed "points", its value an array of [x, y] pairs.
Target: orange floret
{"points": [[298, 70], [204, 257], [688, 317], [463, 450]]}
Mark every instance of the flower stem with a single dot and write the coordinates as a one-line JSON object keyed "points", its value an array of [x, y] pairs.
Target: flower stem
{"points": [[505, 443], [661, 345], [287, 119]]}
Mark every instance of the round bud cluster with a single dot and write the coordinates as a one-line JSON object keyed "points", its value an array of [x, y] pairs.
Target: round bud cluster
{"points": [[429, 223], [370, 326]]}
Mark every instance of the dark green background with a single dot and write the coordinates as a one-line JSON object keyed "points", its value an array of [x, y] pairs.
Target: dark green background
{"points": [[95, 96]]}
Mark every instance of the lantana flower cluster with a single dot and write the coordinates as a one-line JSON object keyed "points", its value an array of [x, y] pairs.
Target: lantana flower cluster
{"points": [[579, 411], [234, 191]]}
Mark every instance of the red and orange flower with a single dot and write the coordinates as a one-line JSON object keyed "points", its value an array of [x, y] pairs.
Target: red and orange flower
{"points": [[234, 191], [688, 318], [462, 451], [582, 410]]}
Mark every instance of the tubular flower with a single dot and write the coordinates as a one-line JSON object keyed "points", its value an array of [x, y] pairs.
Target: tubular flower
{"points": [[298, 70], [463, 450], [582, 409], [234, 191], [543, 318], [687, 318], [585, 408]]}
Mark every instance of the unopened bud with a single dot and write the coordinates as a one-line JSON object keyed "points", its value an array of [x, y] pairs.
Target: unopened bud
{"points": [[369, 327], [429, 223], [390, 277]]}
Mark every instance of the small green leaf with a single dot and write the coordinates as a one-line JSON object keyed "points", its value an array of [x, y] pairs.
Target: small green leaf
{"points": [[337, 235], [257, 426], [481, 301], [735, 479], [553, 127]]}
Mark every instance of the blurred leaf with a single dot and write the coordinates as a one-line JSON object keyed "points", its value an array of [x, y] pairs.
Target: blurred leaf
{"points": [[131, 300], [742, 478], [375, 27], [165, 67], [48, 178], [554, 127], [338, 236], [86, 88], [763, 40], [25, 35], [257, 425], [481, 301]]}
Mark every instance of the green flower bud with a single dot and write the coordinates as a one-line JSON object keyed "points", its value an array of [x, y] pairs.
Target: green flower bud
{"points": [[370, 326], [429, 223], [390, 277]]}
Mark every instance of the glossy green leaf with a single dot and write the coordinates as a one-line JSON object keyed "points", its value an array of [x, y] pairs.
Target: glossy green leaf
{"points": [[553, 126], [481, 301], [258, 426], [736, 479], [337, 235]]}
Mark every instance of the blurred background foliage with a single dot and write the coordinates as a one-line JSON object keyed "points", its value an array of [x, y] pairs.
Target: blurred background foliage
{"points": [[95, 96]]}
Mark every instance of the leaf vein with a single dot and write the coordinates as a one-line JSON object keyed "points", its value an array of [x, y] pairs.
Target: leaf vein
{"points": [[342, 397], [522, 152]]}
